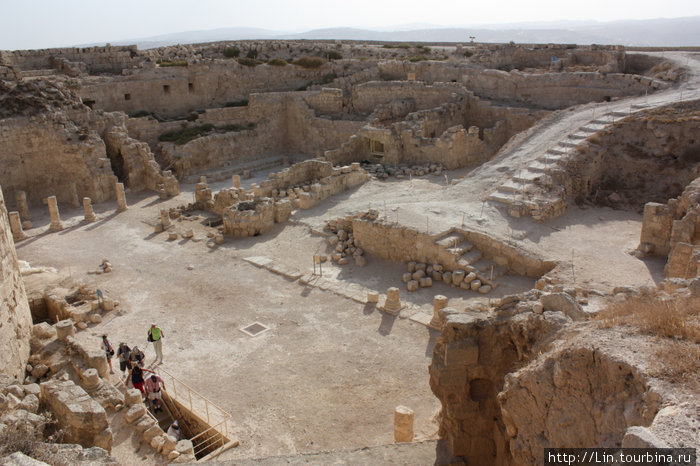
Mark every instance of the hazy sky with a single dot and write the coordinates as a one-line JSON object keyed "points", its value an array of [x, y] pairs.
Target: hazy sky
{"points": [[56, 23]]}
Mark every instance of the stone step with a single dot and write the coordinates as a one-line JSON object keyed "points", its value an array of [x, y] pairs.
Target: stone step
{"points": [[540, 166], [590, 129], [640, 106], [557, 151], [513, 186], [470, 258], [528, 176], [577, 136], [450, 240], [620, 114], [503, 197], [484, 265], [552, 160], [567, 144], [602, 123]]}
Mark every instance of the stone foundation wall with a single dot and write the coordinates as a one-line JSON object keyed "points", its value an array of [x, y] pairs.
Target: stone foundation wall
{"points": [[49, 155], [15, 315], [366, 97]]}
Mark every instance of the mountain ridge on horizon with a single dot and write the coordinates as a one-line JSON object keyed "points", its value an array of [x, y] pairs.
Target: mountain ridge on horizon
{"points": [[681, 32]]}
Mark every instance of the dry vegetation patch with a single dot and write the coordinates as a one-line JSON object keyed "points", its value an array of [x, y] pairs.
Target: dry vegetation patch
{"points": [[674, 321]]}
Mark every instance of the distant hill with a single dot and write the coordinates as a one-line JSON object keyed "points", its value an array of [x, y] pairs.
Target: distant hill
{"points": [[654, 32]]}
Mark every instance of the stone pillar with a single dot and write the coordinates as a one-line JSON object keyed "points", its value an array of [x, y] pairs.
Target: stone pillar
{"points": [[56, 224], [403, 424], [74, 199], [439, 302], [16, 227], [89, 213], [372, 297], [165, 218], [392, 304], [22, 206], [236, 181], [121, 198], [65, 329]]}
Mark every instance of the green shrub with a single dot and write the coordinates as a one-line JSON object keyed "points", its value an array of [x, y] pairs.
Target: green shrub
{"points": [[277, 62], [233, 127], [165, 63], [333, 55], [186, 135], [403, 46], [140, 113], [247, 61], [417, 58], [309, 62], [252, 53], [232, 52], [237, 103], [328, 78], [387, 46]]}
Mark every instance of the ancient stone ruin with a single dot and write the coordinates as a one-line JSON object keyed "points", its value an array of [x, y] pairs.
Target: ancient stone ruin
{"points": [[369, 253]]}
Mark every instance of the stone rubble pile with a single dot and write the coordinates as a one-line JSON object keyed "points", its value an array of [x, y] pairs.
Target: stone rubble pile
{"points": [[402, 171], [422, 275], [343, 242]]}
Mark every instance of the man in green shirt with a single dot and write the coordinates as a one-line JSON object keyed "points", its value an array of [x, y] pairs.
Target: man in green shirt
{"points": [[156, 335]]}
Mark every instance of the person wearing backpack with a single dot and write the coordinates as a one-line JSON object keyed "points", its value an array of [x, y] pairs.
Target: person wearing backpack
{"points": [[109, 351], [155, 334], [124, 353]]}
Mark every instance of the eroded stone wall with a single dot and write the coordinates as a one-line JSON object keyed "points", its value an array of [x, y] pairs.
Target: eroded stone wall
{"points": [[15, 315]]}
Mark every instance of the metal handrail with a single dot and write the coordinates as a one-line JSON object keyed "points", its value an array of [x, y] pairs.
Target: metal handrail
{"points": [[225, 416]]}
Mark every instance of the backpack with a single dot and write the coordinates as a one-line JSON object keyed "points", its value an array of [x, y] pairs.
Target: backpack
{"points": [[150, 337]]}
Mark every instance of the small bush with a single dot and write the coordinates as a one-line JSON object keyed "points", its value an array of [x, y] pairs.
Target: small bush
{"points": [[140, 113], [165, 63], [333, 55], [232, 52], [247, 61], [186, 135], [252, 53], [328, 78], [403, 46], [309, 62], [305, 86], [417, 58], [277, 62], [237, 103], [468, 53]]}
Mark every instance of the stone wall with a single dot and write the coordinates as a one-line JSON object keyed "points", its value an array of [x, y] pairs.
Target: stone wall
{"points": [[366, 97], [177, 90], [49, 155], [96, 59], [15, 315]]}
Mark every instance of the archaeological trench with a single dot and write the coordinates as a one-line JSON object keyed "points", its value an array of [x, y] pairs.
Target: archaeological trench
{"points": [[525, 228]]}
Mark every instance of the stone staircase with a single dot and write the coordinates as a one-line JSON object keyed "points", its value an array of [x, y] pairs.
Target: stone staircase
{"points": [[540, 189], [469, 258]]}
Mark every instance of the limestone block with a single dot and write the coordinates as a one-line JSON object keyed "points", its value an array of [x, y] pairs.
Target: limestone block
{"points": [[483, 289], [91, 379], [30, 403], [15, 390], [342, 235], [447, 277], [407, 277], [82, 418], [360, 261], [458, 276], [418, 274], [562, 302], [40, 370], [471, 276], [412, 285], [411, 267], [437, 276], [465, 285], [135, 412], [152, 432], [462, 353], [32, 389], [184, 447], [189, 233], [420, 266], [121, 197], [426, 282], [373, 297], [339, 247], [172, 236], [133, 395], [173, 455], [144, 423], [537, 308], [333, 241], [16, 227], [65, 329], [392, 303], [169, 444], [56, 224], [437, 268], [475, 285], [20, 459], [403, 424], [43, 331], [641, 437], [81, 325], [439, 303], [95, 318]]}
